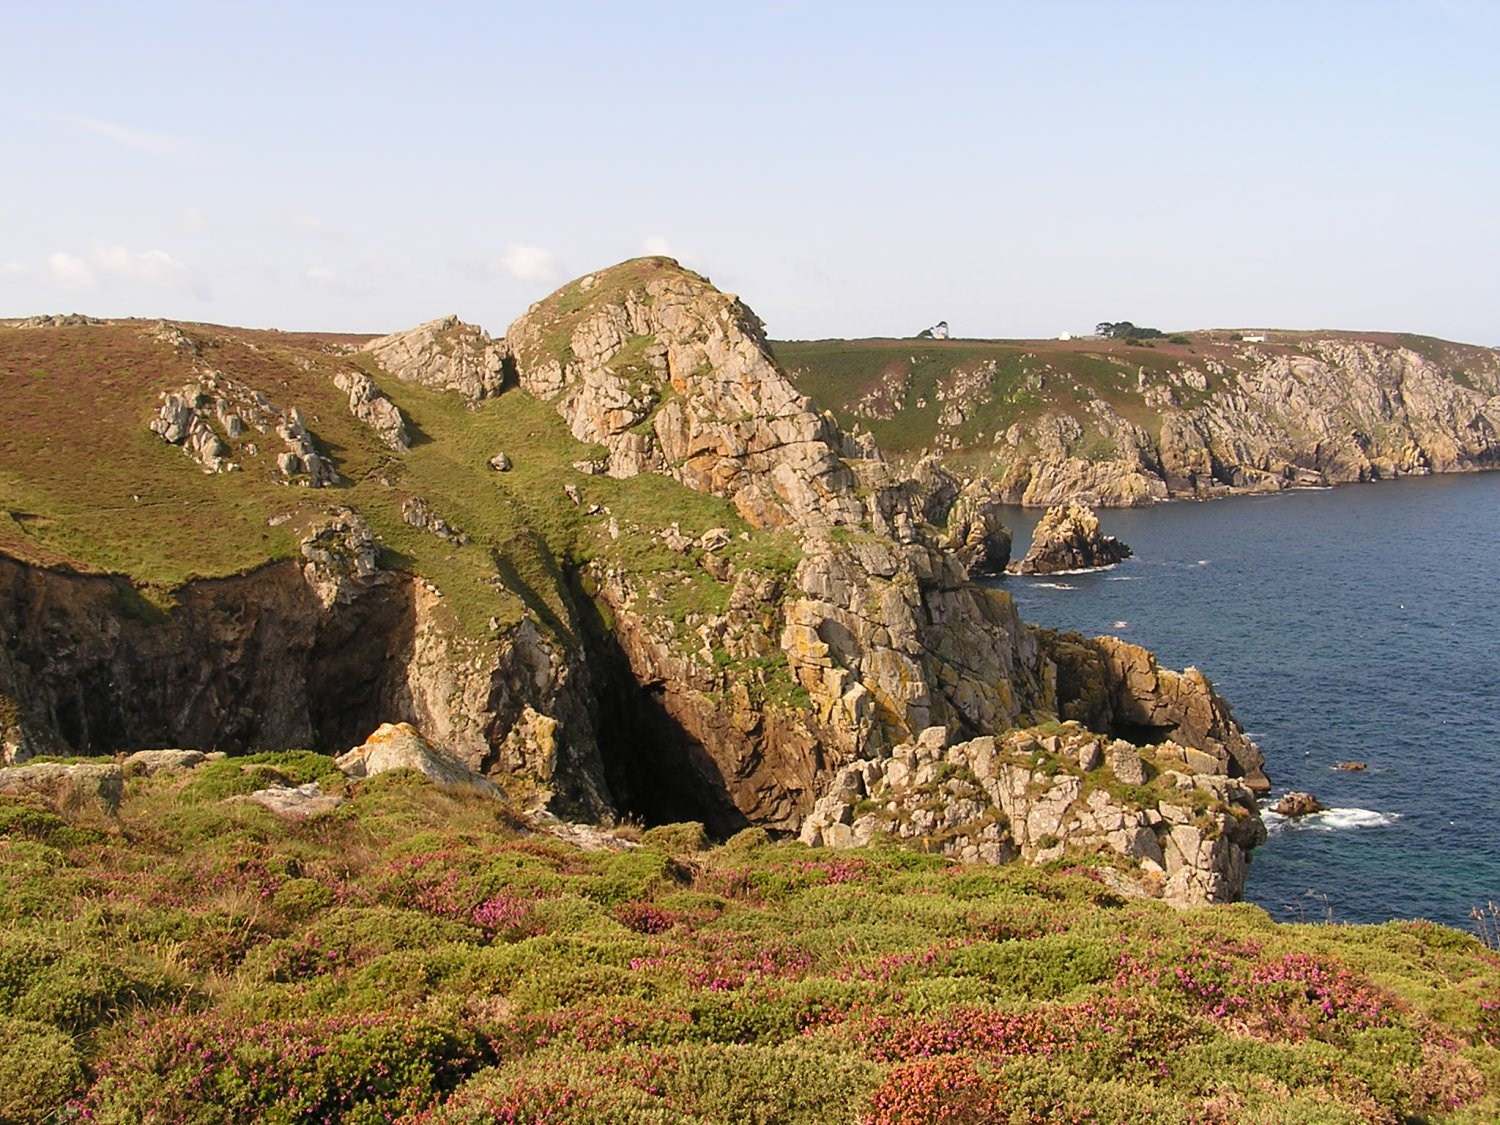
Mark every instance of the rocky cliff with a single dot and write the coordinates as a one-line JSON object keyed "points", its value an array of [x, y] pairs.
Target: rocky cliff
{"points": [[689, 595], [1116, 424]]}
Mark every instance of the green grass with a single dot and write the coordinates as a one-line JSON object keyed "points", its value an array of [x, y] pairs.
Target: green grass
{"points": [[423, 955], [83, 483]]}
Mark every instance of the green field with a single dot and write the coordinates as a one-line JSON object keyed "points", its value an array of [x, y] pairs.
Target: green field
{"points": [[426, 956]]}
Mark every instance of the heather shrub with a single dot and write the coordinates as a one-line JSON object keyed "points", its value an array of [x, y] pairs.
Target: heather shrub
{"points": [[676, 839], [334, 1069], [39, 1071], [1040, 969]]}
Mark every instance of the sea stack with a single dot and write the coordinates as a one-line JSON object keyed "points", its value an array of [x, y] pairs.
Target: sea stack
{"points": [[1068, 538]]}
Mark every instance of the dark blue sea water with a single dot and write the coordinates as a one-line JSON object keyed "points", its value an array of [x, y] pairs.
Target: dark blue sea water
{"points": [[1359, 622]]}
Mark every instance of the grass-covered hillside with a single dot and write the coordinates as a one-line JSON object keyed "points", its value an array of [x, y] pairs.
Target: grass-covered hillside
{"points": [[85, 484], [425, 956]]}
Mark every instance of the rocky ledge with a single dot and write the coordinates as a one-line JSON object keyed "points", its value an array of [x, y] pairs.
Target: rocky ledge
{"points": [[1043, 793], [1068, 538]]}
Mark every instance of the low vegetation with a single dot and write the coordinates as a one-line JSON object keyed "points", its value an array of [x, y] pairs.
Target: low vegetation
{"points": [[425, 956]]}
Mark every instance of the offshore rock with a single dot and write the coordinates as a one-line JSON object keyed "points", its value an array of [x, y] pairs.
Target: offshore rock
{"points": [[1297, 803], [1068, 538]]}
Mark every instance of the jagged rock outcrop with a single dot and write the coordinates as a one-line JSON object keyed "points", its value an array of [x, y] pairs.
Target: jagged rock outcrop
{"points": [[368, 403], [445, 354], [1182, 835], [210, 420], [1115, 686], [976, 531], [727, 678], [1067, 538], [670, 375]]}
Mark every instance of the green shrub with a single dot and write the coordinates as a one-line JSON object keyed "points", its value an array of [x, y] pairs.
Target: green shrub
{"points": [[39, 1071], [676, 839]]}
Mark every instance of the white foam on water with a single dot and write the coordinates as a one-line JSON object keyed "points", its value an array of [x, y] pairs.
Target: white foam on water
{"points": [[1330, 820], [1087, 569], [1054, 586], [1202, 562], [1123, 578], [1119, 624]]}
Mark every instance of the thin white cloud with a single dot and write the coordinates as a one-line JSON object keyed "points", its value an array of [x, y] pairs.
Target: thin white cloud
{"points": [[147, 267], [138, 139], [154, 269], [658, 245], [12, 269], [321, 275], [70, 270], [529, 263], [193, 220]]}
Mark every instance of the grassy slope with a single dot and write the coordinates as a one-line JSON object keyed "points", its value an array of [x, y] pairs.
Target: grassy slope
{"points": [[838, 373], [75, 454], [419, 953]]}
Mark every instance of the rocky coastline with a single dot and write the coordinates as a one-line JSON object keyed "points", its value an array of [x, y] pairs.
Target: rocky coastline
{"points": [[731, 609]]}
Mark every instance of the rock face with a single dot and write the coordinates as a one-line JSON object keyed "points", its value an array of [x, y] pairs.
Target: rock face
{"points": [[1185, 835], [670, 375], [1067, 538], [1267, 417], [309, 653], [445, 354], [976, 531], [1112, 685]]}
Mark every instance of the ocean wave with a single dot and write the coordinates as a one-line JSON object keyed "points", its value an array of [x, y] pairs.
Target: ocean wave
{"points": [[1123, 578], [1330, 820], [1085, 570], [1119, 624], [1053, 586]]}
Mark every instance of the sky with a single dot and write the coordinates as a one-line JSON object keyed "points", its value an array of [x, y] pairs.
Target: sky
{"points": [[848, 169]]}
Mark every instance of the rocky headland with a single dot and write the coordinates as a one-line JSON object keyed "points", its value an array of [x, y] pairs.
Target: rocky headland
{"points": [[690, 594], [1112, 423]]}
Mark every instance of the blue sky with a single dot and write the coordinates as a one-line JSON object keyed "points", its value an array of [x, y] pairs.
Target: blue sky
{"points": [[849, 169]]}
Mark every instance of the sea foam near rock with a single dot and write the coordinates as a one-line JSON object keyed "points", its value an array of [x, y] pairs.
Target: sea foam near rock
{"points": [[1330, 820]]}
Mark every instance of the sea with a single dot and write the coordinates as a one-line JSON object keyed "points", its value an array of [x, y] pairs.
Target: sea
{"points": [[1353, 623]]}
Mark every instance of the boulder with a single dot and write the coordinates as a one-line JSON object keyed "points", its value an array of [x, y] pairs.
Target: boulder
{"points": [[294, 802], [144, 763], [399, 746], [1351, 766], [1068, 538], [1297, 803], [67, 786], [500, 462]]}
